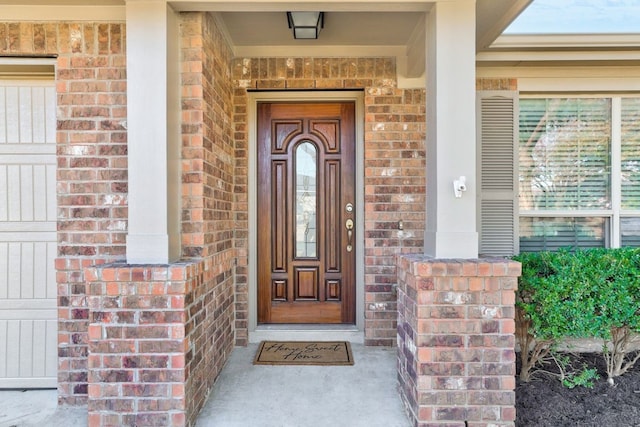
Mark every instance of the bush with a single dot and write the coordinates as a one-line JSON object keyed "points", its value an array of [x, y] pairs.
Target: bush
{"points": [[584, 294]]}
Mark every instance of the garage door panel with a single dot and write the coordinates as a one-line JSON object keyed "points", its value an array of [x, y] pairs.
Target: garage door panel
{"points": [[26, 355], [27, 113], [13, 192], [27, 269], [38, 115], [4, 327], [26, 193], [50, 192], [12, 114], [40, 261], [3, 115], [15, 281], [40, 187], [27, 351], [4, 196], [38, 367], [12, 348], [29, 192], [4, 269], [28, 305]]}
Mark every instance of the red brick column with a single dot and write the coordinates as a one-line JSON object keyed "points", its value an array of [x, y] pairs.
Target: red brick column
{"points": [[456, 340], [138, 344]]}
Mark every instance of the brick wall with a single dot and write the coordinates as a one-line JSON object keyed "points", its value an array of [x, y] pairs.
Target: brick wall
{"points": [[208, 211], [92, 167], [497, 84], [161, 335], [138, 343], [395, 168], [394, 151], [456, 356]]}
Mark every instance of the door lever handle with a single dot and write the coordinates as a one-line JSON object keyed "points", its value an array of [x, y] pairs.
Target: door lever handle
{"points": [[349, 226]]}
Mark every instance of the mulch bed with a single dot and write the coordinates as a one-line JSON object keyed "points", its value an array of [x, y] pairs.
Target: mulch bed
{"points": [[544, 401]]}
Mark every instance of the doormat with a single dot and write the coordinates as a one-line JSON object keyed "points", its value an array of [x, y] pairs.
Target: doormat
{"points": [[304, 353]]}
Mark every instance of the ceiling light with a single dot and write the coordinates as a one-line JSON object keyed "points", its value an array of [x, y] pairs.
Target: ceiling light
{"points": [[305, 25]]}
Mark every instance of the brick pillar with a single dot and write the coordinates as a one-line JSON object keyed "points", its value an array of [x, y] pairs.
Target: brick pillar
{"points": [[456, 340], [137, 344]]}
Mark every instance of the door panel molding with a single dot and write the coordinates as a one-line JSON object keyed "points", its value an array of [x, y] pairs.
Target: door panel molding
{"points": [[301, 210]]}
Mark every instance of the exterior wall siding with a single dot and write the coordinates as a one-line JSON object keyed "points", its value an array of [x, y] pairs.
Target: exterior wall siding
{"points": [[394, 152]]}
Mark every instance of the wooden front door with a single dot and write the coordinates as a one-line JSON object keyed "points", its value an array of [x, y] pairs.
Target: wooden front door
{"points": [[306, 212]]}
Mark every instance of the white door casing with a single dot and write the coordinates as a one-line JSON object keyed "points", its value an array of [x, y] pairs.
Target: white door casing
{"points": [[28, 307]]}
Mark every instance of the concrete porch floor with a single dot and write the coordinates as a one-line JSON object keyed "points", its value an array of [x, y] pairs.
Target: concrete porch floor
{"points": [[364, 394]]}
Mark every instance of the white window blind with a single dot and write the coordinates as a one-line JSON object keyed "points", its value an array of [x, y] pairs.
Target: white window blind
{"points": [[564, 155], [552, 233], [630, 153]]}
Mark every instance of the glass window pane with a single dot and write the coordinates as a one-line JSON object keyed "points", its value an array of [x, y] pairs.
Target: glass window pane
{"points": [[564, 154], [630, 155], [630, 232], [306, 161], [550, 234]]}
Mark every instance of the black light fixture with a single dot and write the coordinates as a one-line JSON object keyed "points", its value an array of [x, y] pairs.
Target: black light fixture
{"points": [[305, 25]]}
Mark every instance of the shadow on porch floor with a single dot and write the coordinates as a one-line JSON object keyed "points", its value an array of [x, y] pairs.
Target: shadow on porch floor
{"points": [[365, 394]]}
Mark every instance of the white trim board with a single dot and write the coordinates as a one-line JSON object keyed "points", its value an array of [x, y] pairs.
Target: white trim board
{"points": [[62, 13]]}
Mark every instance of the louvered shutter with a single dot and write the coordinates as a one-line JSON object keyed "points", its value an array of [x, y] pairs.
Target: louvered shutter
{"points": [[497, 172]]}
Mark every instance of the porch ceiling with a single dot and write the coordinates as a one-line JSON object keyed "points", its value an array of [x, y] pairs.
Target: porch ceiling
{"points": [[352, 28]]}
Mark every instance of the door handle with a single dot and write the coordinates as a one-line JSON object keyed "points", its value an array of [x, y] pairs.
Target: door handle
{"points": [[349, 226]]}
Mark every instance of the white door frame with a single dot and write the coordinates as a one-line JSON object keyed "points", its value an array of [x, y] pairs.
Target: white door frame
{"points": [[354, 333]]}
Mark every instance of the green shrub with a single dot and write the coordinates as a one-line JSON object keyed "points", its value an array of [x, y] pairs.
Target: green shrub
{"points": [[584, 294], [584, 378]]}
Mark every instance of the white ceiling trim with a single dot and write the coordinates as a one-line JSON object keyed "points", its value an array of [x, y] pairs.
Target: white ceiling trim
{"points": [[301, 5], [319, 51], [585, 85], [558, 56], [542, 41]]}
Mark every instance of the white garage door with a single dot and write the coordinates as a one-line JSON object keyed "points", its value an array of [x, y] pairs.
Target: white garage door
{"points": [[28, 309]]}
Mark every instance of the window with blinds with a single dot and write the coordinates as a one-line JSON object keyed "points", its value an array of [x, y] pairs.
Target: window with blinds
{"points": [[565, 152], [570, 193], [630, 153], [553, 233]]}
